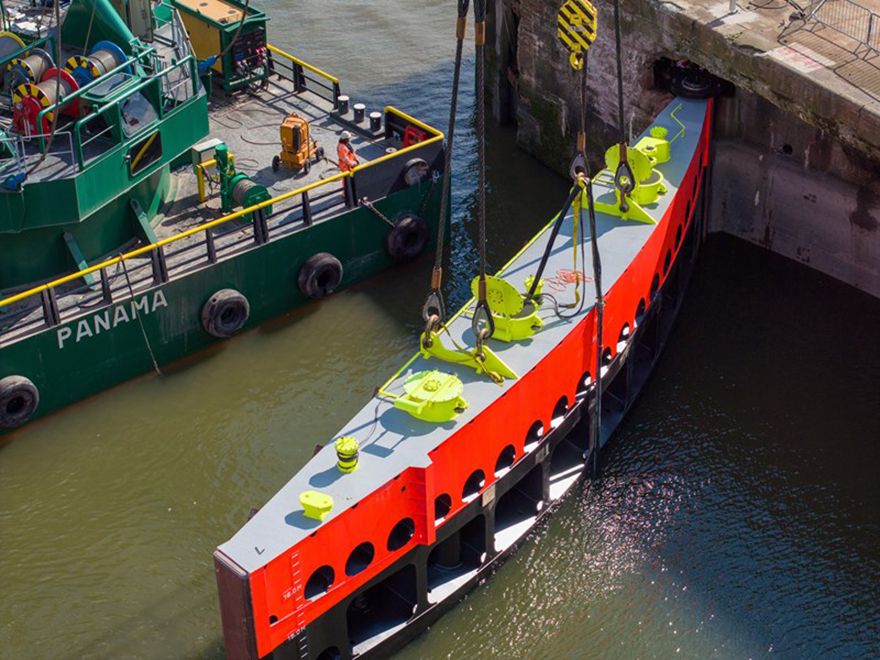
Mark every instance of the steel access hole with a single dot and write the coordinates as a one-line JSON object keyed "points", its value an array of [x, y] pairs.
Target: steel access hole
{"points": [[442, 507], [401, 534], [559, 412], [655, 287], [374, 614], [667, 261], [505, 460], [360, 558], [623, 337], [584, 384], [640, 311], [534, 435], [319, 582], [473, 485]]}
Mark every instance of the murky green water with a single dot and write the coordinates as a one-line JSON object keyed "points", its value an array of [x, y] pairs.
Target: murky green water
{"points": [[737, 515]]}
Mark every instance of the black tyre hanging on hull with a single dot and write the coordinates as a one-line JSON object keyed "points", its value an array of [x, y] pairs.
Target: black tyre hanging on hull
{"points": [[407, 239], [225, 313], [320, 275], [19, 399]]}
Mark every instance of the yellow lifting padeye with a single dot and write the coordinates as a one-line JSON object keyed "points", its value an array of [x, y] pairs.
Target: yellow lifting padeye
{"points": [[514, 319], [576, 29], [315, 505], [649, 184]]}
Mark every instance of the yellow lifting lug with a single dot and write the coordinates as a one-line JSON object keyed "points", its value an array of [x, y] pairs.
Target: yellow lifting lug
{"points": [[648, 184], [487, 363], [515, 319], [315, 505], [527, 283], [576, 29]]}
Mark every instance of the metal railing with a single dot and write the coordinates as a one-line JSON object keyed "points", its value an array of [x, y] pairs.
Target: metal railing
{"points": [[289, 211], [321, 83], [18, 159], [849, 19]]}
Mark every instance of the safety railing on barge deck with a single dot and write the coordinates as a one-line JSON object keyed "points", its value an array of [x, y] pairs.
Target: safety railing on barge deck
{"points": [[297, 69], [110, 288]]}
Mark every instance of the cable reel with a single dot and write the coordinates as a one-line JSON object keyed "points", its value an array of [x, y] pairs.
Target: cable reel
{"points": [[28, 100], [104, 57], [9, 43], [29, 68]]}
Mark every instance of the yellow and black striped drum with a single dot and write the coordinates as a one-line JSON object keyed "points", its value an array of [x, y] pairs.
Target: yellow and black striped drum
{"points": [[29, 68], [29, 100]]}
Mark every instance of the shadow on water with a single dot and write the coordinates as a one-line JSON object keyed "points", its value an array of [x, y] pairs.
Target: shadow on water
{"points": [[736, 512]]}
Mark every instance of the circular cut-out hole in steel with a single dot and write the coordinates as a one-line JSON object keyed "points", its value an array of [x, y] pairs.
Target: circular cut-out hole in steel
{"points": [[640, 311], [655, 286], [360, 558], [559, 411], [505, 460], [667, 261], [442, 506], [533, 437], [319, 582], [401, 534], [474, 483], [584, 384]]}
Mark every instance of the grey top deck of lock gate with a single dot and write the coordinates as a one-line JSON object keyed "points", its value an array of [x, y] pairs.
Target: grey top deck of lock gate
{"points": [[396, 440]]}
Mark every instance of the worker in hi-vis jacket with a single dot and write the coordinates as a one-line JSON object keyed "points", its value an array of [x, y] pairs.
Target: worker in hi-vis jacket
{"points": [[345, 152]]}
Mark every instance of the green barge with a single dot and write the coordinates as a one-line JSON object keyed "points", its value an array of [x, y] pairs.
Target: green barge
{"points": [[168, 179]]}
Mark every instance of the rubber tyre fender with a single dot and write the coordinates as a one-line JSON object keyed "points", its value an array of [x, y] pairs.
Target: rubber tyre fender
{"points": [[691, 84], [407, 239], [415, 171], [19, 399], [320, 275], [225, 313]]}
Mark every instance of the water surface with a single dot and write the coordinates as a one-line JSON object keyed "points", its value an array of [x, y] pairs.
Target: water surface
{"points": [[736, 515]]}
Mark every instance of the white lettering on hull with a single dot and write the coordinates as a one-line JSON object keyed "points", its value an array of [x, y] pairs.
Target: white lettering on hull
{"points": [[110, 318]]}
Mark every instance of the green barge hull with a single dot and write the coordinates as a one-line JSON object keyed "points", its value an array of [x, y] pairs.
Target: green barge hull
{"points": [[169, 178], [95, 351]]}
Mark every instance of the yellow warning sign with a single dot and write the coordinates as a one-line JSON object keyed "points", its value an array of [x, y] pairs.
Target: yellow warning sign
{"points": [[576, 27]]}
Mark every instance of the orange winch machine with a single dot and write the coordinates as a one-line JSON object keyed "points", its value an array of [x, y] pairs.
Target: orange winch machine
{"points": [[298, 149]]}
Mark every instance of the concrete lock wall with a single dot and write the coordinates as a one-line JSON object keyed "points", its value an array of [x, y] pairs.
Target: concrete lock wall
{"points": [[797, 164]]}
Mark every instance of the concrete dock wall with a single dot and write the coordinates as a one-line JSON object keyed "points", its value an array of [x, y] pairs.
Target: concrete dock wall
{"points": [[798, 154]]}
